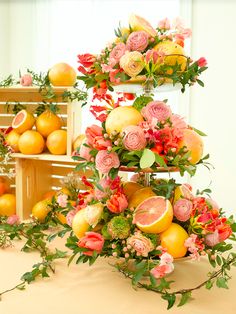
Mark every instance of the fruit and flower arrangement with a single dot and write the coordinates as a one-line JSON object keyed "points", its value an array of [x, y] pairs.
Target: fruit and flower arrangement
{"points": [[143, 224]]}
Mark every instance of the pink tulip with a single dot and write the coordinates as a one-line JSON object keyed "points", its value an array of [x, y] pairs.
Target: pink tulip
{"points": [[117, 203], [92, 241]]}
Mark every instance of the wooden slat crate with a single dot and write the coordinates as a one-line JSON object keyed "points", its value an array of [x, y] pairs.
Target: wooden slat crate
{"points": [[37, 174]]}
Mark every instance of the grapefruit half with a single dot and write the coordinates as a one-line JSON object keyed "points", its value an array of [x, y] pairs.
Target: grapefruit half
{"points": [[154, 215], [23, 121]]}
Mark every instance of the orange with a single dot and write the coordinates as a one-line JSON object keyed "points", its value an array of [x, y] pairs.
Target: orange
{"points": [[138, 23], [121, 117], [49, 195], [176, 54], [23, 121], [12, 139], [130, 188], [194, 144], [139, 196], [153, 215], [56, 142], [48, 122], [173, 240], [79, 224], [31, 142], [61, 218], [62, 74], [41, 209], [4, 186], [7, 204], [78, 141]]}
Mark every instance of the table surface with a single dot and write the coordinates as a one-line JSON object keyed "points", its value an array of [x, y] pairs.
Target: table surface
{"points": [[100, 289]]}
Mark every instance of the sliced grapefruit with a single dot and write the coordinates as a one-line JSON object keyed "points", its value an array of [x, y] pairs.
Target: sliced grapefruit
{"points": [[23, 121], [183, 191], [173, 240], [194, 144], [138, 23], [31, 142], [139, 196], [130, 188], [121, 117], [154, 215]]}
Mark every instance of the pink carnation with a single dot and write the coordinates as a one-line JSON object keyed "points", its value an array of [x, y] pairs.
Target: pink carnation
{"points": [[26, 80], [134, 138], [92, 241], [105, 161], [12, 220], [156, 110], [137, 41], [84, 151], [166, 258], [62, 200], [161, 271], [195, 246], [178, 125], [95, 138], [117, 52], [183, 209], [141, 244]]}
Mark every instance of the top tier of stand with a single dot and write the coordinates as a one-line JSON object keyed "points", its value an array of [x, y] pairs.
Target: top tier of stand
{"points": [[137, 88]]}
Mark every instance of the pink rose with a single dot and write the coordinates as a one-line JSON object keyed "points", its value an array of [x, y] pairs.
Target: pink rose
{"points": [[161, 271], [132, 63], [156, 110], [202, 62], [141, 244], [137, 41], [13, 219], [84, 151], [26, 80], [134, 138], [117, 52], [183, 209], [178, 125], [117, 203], [95, 138], [212, 239], [92, 241], [105, 161], [70, 216], [164, 24]]}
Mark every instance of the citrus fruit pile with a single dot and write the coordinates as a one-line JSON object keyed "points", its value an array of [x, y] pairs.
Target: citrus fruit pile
{"points": [[7, 198], [32, 135]]}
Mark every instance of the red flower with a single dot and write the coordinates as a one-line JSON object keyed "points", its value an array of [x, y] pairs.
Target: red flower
{"points": [[95, 110], [129, 96], [92, 241], [87, 60], [202, 62], [117, 203]]}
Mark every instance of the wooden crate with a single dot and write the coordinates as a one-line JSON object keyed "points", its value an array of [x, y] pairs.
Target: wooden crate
{"points": [[37, 174]]}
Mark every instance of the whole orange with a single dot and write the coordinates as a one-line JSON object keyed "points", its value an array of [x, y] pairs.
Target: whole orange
{"points": [[7, 204], [12, 140], [48, 122], [31, 142], [62, 74], [4, 186], [56, 142]]}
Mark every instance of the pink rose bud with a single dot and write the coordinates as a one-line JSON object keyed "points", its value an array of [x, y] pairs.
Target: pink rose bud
{"points": [[183, 209], [26, 80], [12, 220], [105, 161], [137, 41], [202, 62], [134, 138], [92, 241]]}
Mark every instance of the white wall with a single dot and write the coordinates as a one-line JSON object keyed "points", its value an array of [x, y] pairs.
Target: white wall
{"points": [[213, 108], [4, 39]]}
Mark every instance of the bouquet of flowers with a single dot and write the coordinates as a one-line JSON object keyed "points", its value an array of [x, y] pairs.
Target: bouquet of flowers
{"points": [[142, 54]]}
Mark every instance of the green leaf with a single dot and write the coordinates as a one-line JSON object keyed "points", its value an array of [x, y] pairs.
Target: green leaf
{"points": [[221, 282], [170, 298], [160, 160], [141, 102], [209, 284], [153, 280], [200, 83], [184, 298], [147, 159], [198, 131], [218, 260]]}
